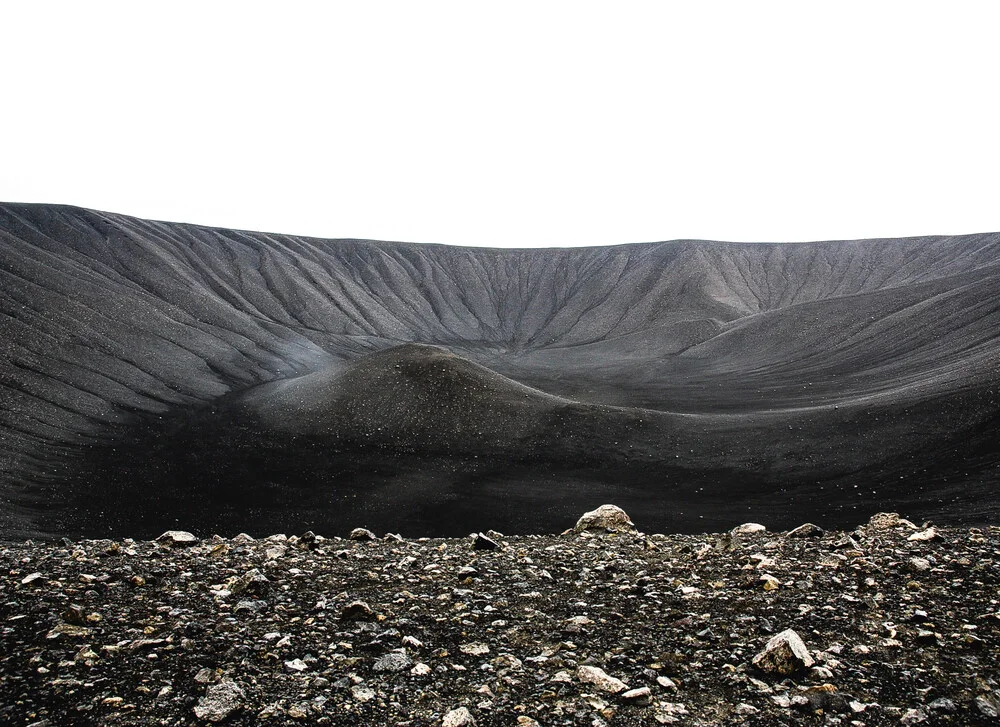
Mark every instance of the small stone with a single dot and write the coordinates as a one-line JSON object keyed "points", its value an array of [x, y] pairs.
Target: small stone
{"points": [[296, 665], [420, 669], [748, 529], [988, 705], [610, 518], [641, 696], [919, 565], [70, 630], [808, 530], [206, 676], [784, 654], [913, 716], [253, 581], [362, 534], [74, 614], [220, 701], [474, 649], [393, 661], [924, 536], [943, 705], [273, 552], [31, 578], [362, 694], [666, 682], [482, 542], [600, 679], [770, 583], [460, 717], [888, 521], [357, 611], [178, 537], [524, 720]]}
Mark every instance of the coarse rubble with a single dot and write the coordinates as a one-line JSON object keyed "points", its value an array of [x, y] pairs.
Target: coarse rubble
{"points": [[587, 628]]}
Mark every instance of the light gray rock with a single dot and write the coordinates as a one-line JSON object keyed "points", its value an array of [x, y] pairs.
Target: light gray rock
{"points": [[600, 679], [641, 696], [220, 701], [784, 654], [889, 521], [924, 536], [607, 517], [178, 537], [748, 529], [460, 717], [393, 661], [807, 530]]}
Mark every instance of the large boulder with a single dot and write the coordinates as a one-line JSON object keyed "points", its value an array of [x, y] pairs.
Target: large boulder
{"points": [[609, 518]]}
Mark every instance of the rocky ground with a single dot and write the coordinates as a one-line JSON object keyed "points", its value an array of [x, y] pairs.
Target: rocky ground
{"points": [[889, 624]]}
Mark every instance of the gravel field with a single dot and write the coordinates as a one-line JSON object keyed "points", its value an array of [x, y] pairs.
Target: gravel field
{"points": [[892, 623]]}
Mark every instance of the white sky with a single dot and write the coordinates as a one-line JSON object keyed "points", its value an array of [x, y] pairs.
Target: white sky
{"points": [[510, 123]]}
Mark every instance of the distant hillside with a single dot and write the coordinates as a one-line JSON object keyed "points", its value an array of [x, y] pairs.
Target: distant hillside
{"points": [[764, 374]]}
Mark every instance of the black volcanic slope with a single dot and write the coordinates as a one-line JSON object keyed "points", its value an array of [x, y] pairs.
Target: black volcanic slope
{"points": [[155, 373]]}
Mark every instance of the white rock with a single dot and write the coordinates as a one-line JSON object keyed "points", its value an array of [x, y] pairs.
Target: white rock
{"points": [[785, 654], [642, 695], [460, 717], [919, 564], [924, 535], [178, 537], [220, 701], [474, 649], [600, 679], [748, 529]]}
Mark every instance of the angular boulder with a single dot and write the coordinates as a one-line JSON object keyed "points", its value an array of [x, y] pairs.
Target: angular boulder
{"points": [[220, 701], [600, 679], [178, 537], [784, 654], [807, 530], [889, 521], [609, 518]]}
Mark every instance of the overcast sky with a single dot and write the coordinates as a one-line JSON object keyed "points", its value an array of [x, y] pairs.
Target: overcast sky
{"points": [[510, 123]]}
